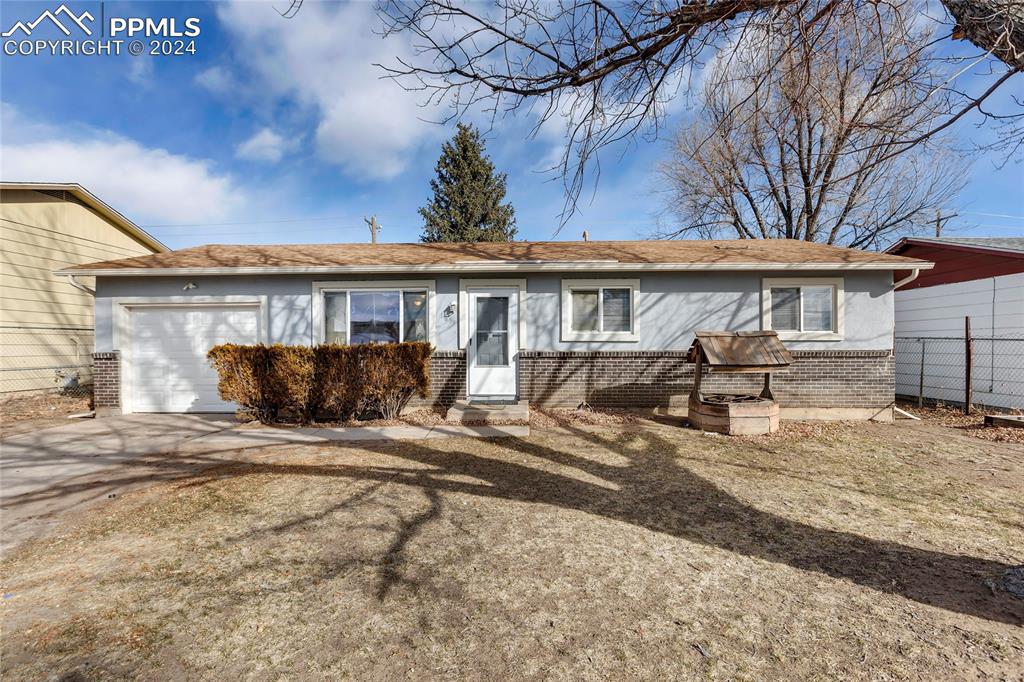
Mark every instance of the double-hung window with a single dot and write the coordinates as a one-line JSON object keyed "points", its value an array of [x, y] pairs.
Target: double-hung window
{"points": [[599, 310], [364, 313], [808, 308]]}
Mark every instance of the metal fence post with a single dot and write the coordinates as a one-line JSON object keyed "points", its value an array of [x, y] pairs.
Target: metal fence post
{"points": [[920, 385], [968, 353]]}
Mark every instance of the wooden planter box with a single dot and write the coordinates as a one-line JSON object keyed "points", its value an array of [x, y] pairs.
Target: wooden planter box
{"points": [[752, 417]]}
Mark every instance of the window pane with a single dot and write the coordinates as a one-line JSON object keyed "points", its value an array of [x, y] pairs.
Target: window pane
{"points": [[492, 313], [616, 304], [375, 316], [817, 309], [415, 303], [584, 311], [786, 309], [492, 331], [335, 312]]}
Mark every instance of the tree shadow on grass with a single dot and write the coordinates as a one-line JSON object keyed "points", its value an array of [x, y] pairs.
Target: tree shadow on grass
{"points": [[651, 490], [654, 491]]}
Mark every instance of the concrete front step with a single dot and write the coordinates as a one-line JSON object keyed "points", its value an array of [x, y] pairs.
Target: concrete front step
{"points": [[470, 412]]}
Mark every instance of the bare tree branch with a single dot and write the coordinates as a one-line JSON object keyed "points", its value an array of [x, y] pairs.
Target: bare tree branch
{"points": [[808, 139], [608, 71]]}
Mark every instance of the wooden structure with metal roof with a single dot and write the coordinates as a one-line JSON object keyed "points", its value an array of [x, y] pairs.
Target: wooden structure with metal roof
{"points": [[739, 352]]}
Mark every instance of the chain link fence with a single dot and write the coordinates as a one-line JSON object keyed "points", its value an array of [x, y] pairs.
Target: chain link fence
{"points": [[46, 359], [933, 369]]}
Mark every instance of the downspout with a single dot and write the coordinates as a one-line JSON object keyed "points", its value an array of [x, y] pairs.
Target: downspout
{"points": [[906, 280], [78, 348], [896, 285], [80, 286]]}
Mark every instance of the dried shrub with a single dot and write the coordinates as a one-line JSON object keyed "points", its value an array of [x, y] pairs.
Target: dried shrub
{"points": [[279, 382], [336, 390], [264, 380], [390, 375]]}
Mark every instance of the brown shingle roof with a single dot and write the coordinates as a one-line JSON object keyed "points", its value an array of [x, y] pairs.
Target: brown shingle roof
{"points": [[725, 254]]}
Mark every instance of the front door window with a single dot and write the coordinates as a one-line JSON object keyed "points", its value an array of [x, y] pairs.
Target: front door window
{"points": [[492, 331]]}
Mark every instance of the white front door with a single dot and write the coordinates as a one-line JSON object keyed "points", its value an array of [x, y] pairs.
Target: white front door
{"points": [[493, 343]]}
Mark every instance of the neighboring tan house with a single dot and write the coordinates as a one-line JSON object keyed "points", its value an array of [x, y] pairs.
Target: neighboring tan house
{"points": [[46, 320], [977, 277], [552, 323]]}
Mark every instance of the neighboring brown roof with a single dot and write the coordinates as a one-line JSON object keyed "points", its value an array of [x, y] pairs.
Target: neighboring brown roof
{"points": [[962, 259], [759, 350], [578, 255]]}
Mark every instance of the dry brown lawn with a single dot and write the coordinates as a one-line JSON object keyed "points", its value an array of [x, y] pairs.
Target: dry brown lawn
{"points": [[23, 414], [857, 551]]}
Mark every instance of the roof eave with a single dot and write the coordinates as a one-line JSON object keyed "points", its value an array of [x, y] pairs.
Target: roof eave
{"points": [[902, 244], [98, 205], [487, 267]]}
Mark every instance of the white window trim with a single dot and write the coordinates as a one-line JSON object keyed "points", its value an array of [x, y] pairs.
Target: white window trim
{"points": [[320, 288], [465, 285], [838, 304], [121, 308], [568, 285]]}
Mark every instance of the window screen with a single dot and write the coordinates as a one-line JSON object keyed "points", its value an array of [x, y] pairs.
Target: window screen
{"points": [[336, 318], [415, 315], [786, 309], [615, 310], [817, 307], [584, 310]]}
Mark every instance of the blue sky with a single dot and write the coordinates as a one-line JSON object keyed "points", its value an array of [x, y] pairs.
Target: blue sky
{"points": [[282, 131]]}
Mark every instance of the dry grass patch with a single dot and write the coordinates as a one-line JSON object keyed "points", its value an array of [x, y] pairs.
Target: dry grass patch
{"points": [[972, 424], [637, 550], [21, 414]]}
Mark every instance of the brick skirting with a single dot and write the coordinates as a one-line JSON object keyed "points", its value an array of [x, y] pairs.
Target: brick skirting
{"points": [[106, 378], [817, 379], [447, 379], [856, 380]]}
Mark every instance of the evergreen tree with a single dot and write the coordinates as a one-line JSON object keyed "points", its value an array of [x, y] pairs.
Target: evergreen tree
{"points": [[467, 195]]}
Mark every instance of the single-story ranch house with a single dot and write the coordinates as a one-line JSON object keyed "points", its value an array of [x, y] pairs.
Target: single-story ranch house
{"points": [[553, 323]]}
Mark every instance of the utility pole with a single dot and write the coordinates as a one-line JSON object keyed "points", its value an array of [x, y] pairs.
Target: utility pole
{"points": [[372, 222], [940, 221]]}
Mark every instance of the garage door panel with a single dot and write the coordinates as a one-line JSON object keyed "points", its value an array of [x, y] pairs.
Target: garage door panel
{"points": [[169, 369]]}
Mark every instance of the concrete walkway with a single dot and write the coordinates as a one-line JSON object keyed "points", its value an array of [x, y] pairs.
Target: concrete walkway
{"points": [[50, 472], [248, 436]]}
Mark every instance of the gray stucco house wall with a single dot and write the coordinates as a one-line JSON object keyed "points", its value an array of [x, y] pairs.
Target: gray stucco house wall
{"points": [[848, 377], [670, 307]]}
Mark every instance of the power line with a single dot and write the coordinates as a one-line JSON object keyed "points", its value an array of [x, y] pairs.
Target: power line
{"points": [[247, 232], [257, 222], [996, 215]]}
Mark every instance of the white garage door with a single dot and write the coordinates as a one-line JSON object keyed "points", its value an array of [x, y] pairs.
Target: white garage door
{"points": [[169, 370]]}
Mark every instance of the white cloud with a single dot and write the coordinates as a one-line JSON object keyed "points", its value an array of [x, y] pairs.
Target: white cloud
{"points": [[216, 79], [323, 59], [151, 185], [265, 145], [141, 71]]}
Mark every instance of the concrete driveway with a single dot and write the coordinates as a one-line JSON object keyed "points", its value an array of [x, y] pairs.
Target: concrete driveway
{"points": [[52, 471], [48, 473]]}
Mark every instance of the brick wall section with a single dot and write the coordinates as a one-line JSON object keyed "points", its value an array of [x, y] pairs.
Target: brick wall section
{"points": [[820, 379], [447, 379], [106, 377]]}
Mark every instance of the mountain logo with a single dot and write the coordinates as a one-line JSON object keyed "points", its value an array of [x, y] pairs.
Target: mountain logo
{"points": [[77, 20]]}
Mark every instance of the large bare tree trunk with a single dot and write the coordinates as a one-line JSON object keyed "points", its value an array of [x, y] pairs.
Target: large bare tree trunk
{"points": [[996, 26]]}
